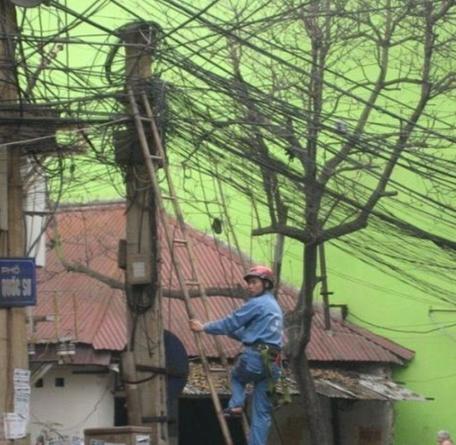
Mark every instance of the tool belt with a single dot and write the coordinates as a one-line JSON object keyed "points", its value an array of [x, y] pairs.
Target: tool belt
{"points": [[272, 352]]}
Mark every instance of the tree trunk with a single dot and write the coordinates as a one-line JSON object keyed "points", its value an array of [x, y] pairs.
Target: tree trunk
{"points": [[299, 330], [310, 399]]}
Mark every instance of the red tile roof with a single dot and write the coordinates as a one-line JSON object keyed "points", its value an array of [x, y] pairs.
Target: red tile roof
{"points": [[90, 235]]}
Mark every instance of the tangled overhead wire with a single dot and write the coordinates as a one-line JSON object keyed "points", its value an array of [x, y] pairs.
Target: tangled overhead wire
{"points": [[287, 99]]}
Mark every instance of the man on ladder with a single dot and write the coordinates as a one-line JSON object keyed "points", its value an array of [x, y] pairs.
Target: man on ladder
{"points": [[258, 324]]}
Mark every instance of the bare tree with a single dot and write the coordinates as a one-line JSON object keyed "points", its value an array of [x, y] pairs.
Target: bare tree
{"points": [[345, 63]]}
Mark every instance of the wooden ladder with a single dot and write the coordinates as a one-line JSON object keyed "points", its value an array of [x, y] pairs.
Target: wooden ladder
{"points": [[186, 283]]}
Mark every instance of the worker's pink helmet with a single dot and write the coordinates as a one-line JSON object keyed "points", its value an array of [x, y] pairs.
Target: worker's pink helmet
{"points": [[263, 272]]}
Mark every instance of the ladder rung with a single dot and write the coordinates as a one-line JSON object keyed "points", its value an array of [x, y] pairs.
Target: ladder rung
{"points": [[192, 281]]}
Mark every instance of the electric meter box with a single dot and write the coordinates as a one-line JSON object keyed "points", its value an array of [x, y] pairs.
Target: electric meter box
{"points": [[138, 269]]}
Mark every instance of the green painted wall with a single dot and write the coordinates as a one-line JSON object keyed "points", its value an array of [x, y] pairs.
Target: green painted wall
{"points": [[433, 371]]}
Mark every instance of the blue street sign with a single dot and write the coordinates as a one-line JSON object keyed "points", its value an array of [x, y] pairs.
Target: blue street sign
{"points": [[17, 282]]}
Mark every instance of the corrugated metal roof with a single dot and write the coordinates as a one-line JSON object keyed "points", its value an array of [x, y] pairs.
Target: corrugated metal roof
{"points": [[90, 235]]}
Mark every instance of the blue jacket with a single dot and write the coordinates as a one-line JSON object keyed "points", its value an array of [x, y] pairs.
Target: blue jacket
{"points": [[260, 320]]}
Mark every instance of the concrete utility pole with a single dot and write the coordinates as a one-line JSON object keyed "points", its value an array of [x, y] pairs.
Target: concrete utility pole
{"points": [[143, 364], [13, 340]]}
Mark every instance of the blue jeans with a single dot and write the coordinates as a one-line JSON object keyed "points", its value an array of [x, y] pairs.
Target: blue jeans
{"points": [[249, 368]]}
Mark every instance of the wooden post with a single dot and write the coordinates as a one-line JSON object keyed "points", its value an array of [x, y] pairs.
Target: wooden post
{"points": [[278, 252], [146, 392], [13, 340], [325, 293]]}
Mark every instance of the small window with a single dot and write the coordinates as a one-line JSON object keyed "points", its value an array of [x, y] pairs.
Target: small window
{"points": [[60, 382], [39, 383]]}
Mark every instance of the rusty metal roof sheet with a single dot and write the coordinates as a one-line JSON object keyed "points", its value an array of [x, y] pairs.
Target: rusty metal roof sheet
{"points": [[93, 313], [333, 383], [344, 384]]}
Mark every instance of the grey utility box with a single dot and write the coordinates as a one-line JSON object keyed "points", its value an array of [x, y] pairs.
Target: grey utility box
{"points": [[121, 435]]}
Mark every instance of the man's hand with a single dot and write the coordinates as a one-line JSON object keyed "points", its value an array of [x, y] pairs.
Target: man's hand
{"points": [[196, 325]]}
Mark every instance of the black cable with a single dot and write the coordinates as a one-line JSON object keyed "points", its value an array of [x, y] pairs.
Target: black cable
{"points": [[403, 331]]}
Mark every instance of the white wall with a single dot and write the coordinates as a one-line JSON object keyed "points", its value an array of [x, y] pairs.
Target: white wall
{"points": [[35, 224], [86, 401]]}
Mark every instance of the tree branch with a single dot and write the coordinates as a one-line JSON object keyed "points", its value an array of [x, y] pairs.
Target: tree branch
{"points": [[408, 228], [444, 8], [360, 221], [384, 45], [238, 291], [81, 268], [292, 232]]}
